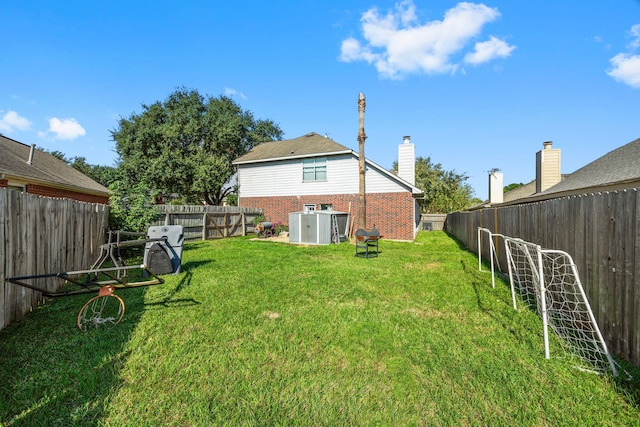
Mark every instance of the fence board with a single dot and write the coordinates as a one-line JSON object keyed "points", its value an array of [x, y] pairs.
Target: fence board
{"points": [[626, 250], [635, 291], [40, 235], [3, 255]]}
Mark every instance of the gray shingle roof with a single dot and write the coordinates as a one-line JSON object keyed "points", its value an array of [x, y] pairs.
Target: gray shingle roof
{"points": [[618, 166], [44, 170], [311, 144]]}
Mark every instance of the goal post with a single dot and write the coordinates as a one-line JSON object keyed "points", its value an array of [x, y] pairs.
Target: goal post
{"points": [[569, 313], [493, 255], [527, 277], [547, 281]]}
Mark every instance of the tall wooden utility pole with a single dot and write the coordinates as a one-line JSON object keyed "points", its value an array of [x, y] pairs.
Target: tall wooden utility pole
{"points": [[362, 219]]}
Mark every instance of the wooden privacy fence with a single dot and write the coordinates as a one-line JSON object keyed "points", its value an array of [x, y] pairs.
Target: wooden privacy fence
{"points": [[602, 233], [209, 222], [432, 222], [41, 235]]}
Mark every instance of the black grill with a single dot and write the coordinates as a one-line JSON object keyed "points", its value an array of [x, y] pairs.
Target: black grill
{"points": [[367, 242]]}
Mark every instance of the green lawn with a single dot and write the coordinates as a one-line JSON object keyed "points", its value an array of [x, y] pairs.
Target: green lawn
{"points": [[260, 333]]}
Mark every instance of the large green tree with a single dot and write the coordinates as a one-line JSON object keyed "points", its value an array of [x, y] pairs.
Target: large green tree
{"points": [[104, 175], [444, 191], [186, 145]]}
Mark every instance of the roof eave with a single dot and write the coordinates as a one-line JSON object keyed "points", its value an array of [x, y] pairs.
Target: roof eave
{"points": [[301, 156], [57, 185]]}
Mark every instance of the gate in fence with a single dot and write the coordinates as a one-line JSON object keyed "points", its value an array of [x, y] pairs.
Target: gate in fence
{"points": [[208, 222]]}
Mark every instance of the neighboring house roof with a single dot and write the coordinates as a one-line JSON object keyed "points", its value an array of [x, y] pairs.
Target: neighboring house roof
{"points": [[617, 170], [45, 169], [525, 190], [620, 167], [309, 145]]}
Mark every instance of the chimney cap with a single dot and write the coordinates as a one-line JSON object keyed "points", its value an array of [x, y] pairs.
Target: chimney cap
{"points": [[406, 139], [547, 144]]}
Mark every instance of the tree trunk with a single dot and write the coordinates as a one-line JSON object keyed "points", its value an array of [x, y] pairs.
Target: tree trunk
{"points": [[362, 217]]}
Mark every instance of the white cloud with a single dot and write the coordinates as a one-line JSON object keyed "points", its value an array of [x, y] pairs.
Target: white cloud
{"points": [[626, 69], [66, 128], [12, 121], [397, 44], [486, 51], [635, 33], [231, 92], [626, 66]]}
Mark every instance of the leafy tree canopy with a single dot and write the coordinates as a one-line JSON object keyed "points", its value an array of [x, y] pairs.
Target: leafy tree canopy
{"points": [[186, 145], [444, 191], [512, 186], [99, 173]]}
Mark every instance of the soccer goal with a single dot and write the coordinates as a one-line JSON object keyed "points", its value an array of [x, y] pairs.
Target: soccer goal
{"points": [[548, 282], [493, 256]]}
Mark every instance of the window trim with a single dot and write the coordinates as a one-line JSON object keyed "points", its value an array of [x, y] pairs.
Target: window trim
{"points": [[319, 165]]}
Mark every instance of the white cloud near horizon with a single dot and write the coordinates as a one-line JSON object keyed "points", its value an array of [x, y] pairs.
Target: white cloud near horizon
{"points": [[635, 33], [626, 66], [231, 92], [66, 129], [11, 121], [397, 44]]}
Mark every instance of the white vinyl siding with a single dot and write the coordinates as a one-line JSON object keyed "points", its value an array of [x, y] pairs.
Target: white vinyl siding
{"points": [[284, 178]]}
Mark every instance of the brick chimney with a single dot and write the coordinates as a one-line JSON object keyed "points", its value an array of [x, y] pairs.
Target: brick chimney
{"points": [[496, 186], [547, 167], [407, 161]]}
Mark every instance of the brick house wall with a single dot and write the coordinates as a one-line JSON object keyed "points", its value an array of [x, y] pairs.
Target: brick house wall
{"points": [[391, 213]]}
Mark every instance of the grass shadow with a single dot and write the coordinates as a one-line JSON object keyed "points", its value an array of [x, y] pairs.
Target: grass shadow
{"points": [[169, 299], [46, 357], [459, 243], [628, 380], [192, 265]]}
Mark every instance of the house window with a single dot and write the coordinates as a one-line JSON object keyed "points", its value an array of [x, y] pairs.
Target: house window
{"points": [[314, 169], [326, 206]]}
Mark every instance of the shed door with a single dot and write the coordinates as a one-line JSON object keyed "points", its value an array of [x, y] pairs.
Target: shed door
{"points": [[308, 228]]}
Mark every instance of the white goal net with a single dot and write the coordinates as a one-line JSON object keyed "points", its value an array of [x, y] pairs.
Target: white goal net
{"points": [[547, 281]]}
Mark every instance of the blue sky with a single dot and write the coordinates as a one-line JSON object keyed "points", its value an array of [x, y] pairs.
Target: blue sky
{"points": [[477, 85]]}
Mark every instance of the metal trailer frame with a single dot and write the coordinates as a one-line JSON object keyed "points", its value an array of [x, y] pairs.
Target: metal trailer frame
{"points": [[92, 282], [103, 280]]}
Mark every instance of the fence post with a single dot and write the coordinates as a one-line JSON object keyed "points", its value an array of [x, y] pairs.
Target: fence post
{"points": [[204, 225]]}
